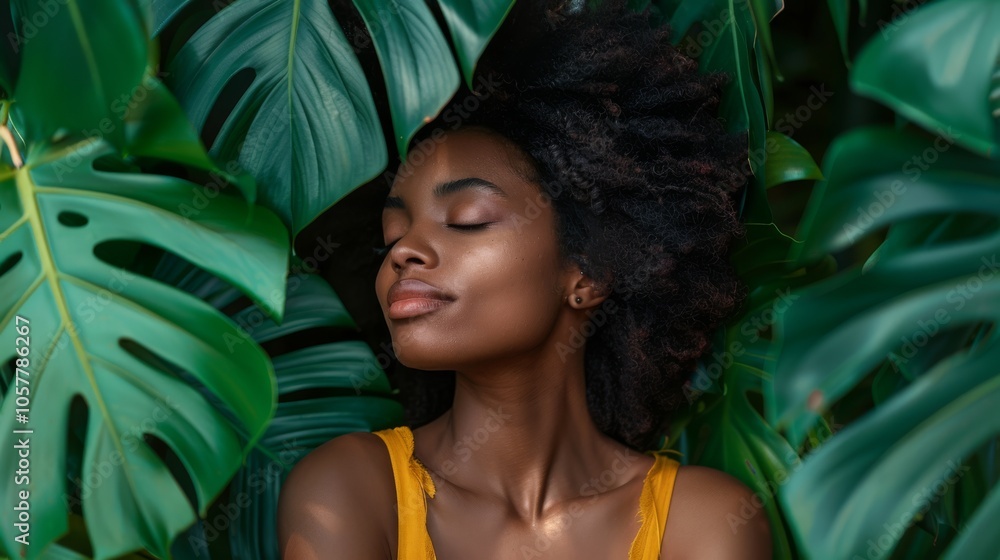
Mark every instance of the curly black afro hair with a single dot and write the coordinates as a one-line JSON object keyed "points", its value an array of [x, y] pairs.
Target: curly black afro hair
{"points": [[643, 179]]}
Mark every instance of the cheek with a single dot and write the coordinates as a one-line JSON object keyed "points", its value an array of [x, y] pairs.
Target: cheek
{"points": [[524, 282], [512, 299]]}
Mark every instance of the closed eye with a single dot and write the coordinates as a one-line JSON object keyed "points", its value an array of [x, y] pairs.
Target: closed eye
{"points": [[383, 251], [469, 227]]}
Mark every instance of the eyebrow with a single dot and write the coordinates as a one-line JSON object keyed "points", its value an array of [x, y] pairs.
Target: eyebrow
{"points": [[452, 187]]}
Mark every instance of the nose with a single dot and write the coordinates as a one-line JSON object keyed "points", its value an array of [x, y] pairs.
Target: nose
{"points": [[411, 250]]}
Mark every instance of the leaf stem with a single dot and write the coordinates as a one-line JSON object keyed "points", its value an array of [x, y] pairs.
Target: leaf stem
{"points": [[8, 138]]}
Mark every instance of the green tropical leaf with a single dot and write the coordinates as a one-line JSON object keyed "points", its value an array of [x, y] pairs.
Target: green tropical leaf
{"points": [[873, 181], [763, 264], [839, 215], [116, 340], [419, 71], [306, 128], [159, 128], [788, 161], [978, 539], [348, 392], [921, 304], [162, 12], [727, 430], [70, 44], [913, 446], [763, 12], [68, 546], [741, 108], [362, 402], [472, 24], [762, 261], [156, 127], [736, 439], [936, 67]]}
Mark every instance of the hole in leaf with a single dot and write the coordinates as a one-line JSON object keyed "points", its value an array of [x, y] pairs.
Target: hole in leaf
{"points": [[76, 435], [77, 539], [119, 253], [756, 400], [305, 338], [230, 95], [325, 392], [174, 465], [171, 269], [72, 219], [166, 167], [10, 262], [159, 363], [185, 23], [6, 375], [166, 267], [114, 164]]}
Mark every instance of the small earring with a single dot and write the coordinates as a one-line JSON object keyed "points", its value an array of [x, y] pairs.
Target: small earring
{"points": [[579, 299]]}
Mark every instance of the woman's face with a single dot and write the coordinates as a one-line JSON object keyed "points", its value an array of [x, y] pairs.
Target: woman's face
{"points": [[473, 273]]}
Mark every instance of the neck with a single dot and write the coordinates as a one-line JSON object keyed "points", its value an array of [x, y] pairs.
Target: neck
{"points": [[522, 433]]}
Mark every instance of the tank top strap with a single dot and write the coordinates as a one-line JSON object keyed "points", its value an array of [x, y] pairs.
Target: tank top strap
{"points": [[412, 483], [654, 505]]}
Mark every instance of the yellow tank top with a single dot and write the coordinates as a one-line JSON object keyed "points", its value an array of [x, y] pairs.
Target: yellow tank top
{"points": [[413, 482]]}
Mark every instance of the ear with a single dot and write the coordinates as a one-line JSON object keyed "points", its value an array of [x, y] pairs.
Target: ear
{"points": [[584, 292]]}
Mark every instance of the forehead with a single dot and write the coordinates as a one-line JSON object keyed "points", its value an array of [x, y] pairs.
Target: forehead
{"points": [[467, 152]]}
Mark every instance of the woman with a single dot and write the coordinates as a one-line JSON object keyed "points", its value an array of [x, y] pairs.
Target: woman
{"points": [[561, 249]]}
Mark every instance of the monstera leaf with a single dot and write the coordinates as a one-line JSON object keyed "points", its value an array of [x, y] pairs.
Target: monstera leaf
{"points": [[326, 389], [162, 12], [726, 429], [349, 393], [56, 44], [472, 23], [307, 127], [420, 74], [115, 342], [729, 434], [932, 288], [939, 66]]}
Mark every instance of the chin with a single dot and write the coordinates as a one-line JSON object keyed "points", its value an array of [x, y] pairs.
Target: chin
{"points": [[416, 354], [419, 344], [424, 363]]}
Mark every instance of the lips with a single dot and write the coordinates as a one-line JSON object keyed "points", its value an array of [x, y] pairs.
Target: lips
{"points": [[411, 297]]}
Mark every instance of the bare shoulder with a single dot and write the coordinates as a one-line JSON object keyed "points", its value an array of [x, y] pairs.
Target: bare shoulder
{"points": [[336, 502], [715, 516]]}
